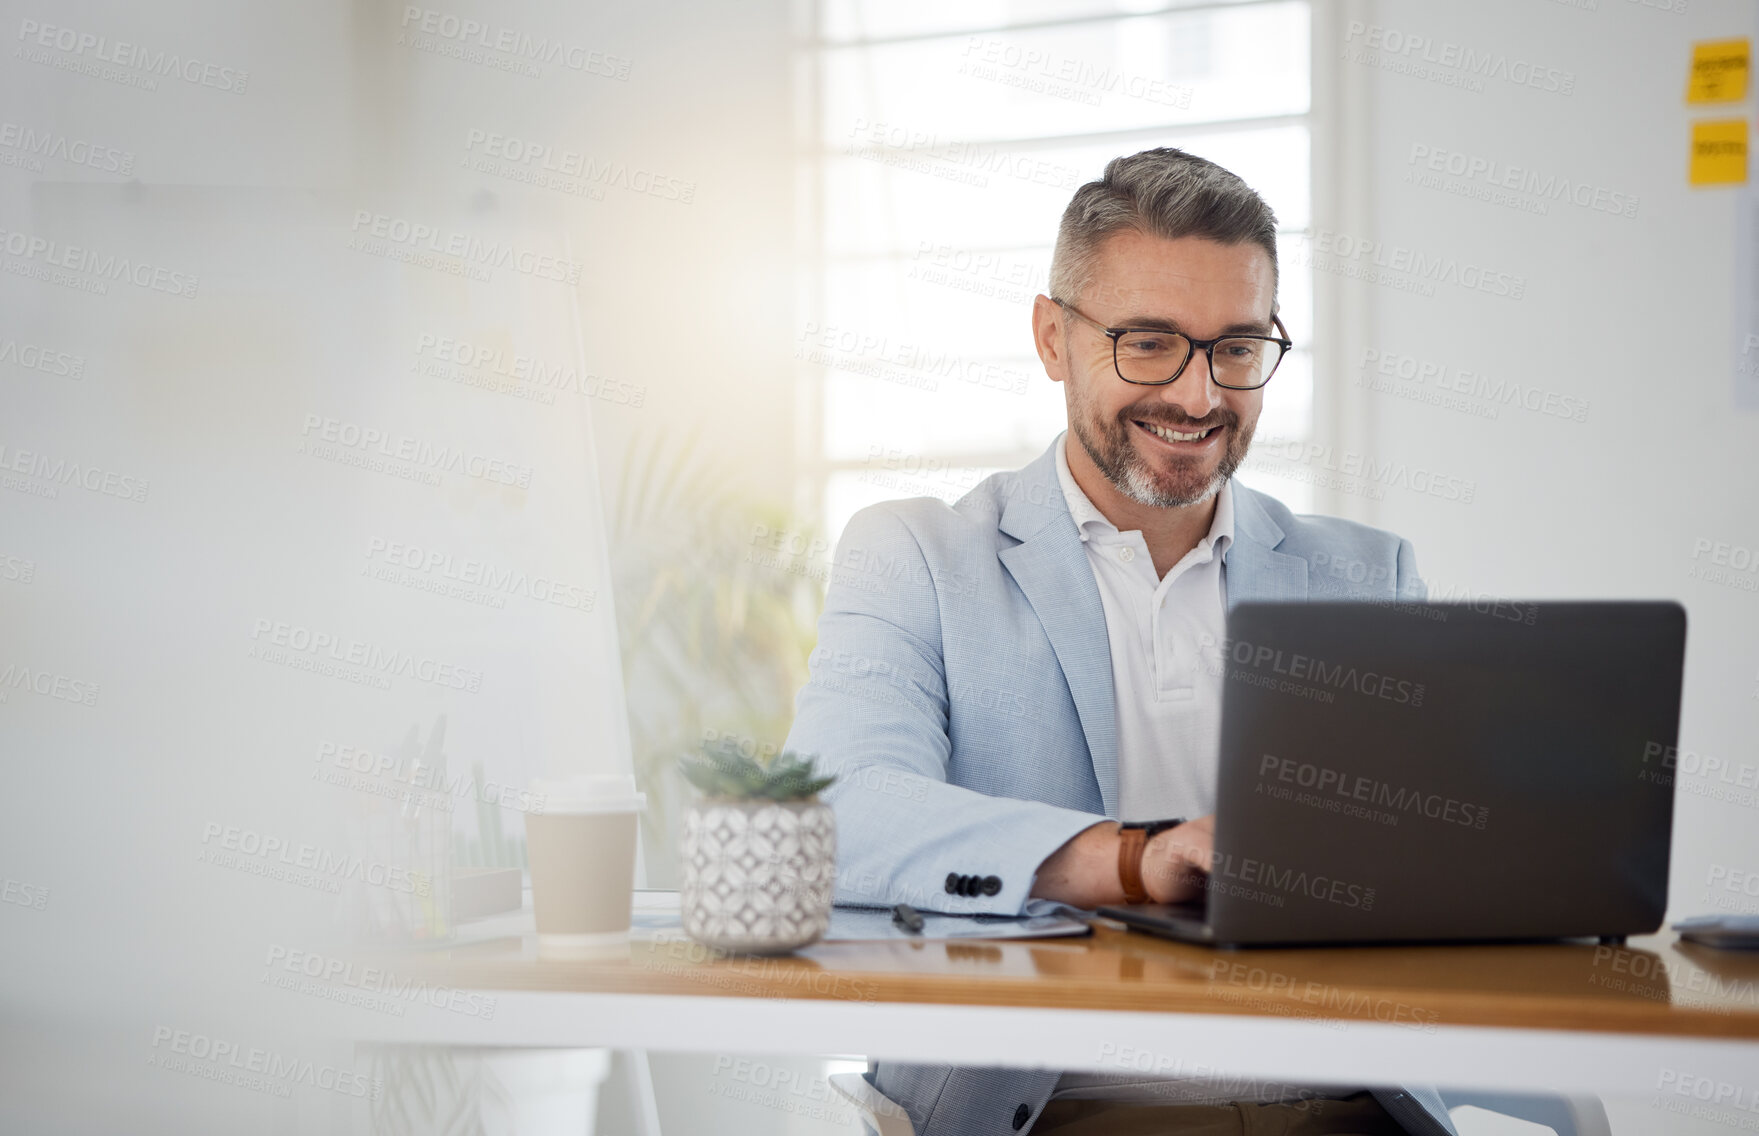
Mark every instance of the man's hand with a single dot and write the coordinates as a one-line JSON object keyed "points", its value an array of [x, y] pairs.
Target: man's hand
{"points": [[1084, 872], [1176, 862]]}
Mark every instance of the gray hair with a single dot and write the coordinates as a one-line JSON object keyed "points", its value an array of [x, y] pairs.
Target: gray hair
{"points": [[1166, 193]]}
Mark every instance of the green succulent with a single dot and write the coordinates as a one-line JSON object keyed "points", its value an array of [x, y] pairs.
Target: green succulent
{"points": [[722, 770]]}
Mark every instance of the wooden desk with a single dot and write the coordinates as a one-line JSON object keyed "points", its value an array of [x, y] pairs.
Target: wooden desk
{"points": [[1546, 1017]]}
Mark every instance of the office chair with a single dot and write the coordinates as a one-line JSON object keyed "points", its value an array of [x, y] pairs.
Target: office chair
{"points": [[1566, 1116]]}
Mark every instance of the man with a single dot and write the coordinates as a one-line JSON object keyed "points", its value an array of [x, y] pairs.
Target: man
{"points": [[1000, 682]]}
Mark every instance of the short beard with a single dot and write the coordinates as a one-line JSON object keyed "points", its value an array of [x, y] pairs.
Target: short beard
{"points": [[1113, 451]]}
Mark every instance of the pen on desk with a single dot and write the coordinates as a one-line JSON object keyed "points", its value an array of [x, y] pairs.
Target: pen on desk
{"points": [[908, 918]]}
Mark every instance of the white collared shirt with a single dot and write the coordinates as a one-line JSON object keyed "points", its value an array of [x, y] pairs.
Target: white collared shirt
{"points": [[1168, 705], [1168, 713]]}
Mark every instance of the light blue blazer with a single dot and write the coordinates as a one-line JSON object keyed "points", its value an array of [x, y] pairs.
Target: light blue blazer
{"points": [[961, 690]]}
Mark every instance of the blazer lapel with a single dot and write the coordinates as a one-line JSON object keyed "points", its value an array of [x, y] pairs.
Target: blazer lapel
{"points": [[1050, 566], [1255, 570]]}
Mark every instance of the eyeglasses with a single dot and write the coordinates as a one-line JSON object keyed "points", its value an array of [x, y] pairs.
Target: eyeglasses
{"points": [[1237, 362]]}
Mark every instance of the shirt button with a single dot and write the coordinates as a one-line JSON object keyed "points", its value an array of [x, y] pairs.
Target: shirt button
{"points": [[1021, 1115], [1126, 554]]}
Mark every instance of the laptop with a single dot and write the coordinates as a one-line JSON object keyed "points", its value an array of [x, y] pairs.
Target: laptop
{"points": [[1422, 773]]}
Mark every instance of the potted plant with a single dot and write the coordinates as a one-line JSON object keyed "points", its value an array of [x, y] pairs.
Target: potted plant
{"points": [[759, 851]]}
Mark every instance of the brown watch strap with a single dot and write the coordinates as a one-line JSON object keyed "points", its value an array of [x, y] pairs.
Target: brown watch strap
{"points": [[1131, 843]]}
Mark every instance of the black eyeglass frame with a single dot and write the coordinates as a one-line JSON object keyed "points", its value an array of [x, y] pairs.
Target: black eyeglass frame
{"points": [[1208, 346]]}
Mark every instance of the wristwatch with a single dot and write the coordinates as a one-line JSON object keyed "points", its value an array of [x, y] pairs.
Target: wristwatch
{"points": [[1134, 837]]}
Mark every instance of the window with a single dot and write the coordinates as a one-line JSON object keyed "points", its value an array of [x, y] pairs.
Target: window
{"points": [[939, 146]]}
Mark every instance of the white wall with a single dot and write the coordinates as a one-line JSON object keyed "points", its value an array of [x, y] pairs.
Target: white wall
{"points": [[1630, 314], [137, 709]]}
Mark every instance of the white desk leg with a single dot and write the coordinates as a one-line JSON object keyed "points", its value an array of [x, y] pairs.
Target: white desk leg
{"points": [[639, 1081], [638, 1076]]}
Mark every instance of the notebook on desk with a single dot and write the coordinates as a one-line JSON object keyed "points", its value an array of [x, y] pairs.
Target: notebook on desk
{"points": [[655, 914]]}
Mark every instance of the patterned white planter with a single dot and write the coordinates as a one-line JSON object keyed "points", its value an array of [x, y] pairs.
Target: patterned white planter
{"points": [[758, 875]]}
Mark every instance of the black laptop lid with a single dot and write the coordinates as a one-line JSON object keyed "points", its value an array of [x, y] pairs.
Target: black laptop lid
{"points": [[1446, 771]]}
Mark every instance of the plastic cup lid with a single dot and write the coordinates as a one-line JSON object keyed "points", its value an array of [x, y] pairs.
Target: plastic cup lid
{"points": [[589, 793]]}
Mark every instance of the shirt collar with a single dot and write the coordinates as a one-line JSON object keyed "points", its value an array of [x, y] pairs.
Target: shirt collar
{"points": [[1089, 521]]}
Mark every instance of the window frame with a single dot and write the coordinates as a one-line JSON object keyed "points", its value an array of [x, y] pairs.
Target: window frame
{"points": [[814, 469]]}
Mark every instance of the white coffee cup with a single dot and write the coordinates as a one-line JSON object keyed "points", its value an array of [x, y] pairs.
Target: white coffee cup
{"points": [[581, 847]]}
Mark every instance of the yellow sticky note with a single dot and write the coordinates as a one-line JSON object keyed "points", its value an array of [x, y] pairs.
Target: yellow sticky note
{"points": [[1719, 71], [1719, 151]]}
